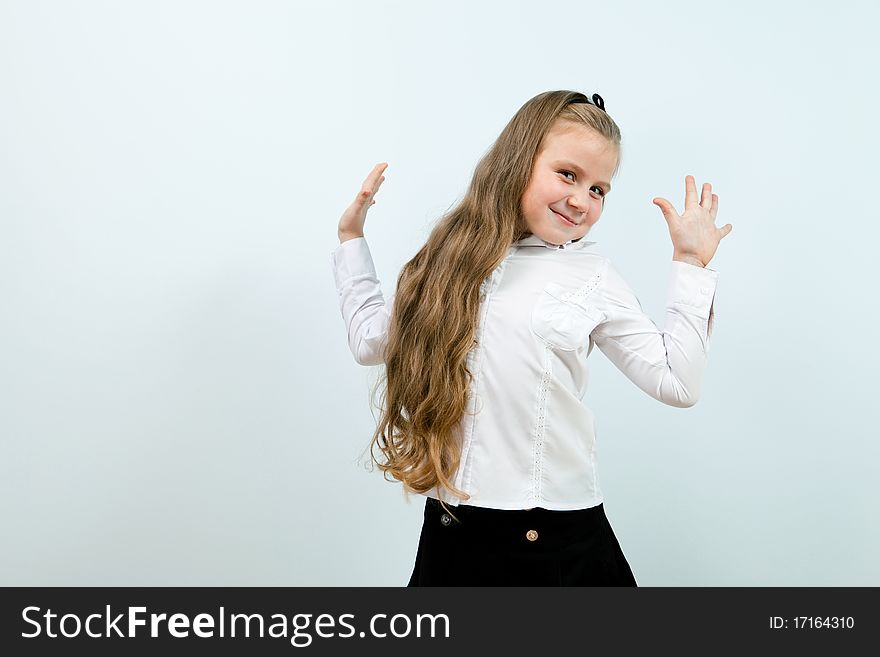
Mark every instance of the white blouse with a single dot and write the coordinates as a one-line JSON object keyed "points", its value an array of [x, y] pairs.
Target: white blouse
{"points": [[527, 438]]}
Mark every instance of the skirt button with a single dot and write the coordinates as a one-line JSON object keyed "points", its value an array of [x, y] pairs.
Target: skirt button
{"points": [[532, 535], [445, 519]]}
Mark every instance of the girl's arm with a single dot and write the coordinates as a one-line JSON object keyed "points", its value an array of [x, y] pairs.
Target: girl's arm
{"points": [[363, 307], [364, 310], [667, 364]]}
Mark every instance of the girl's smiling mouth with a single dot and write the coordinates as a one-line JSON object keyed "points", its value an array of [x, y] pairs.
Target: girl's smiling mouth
{"points": [[562, 218]]}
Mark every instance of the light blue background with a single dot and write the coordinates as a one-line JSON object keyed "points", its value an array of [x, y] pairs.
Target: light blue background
{"points": [[178, 405]]}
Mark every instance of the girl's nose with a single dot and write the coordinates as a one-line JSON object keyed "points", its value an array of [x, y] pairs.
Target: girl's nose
{"points": [[578, 206]]}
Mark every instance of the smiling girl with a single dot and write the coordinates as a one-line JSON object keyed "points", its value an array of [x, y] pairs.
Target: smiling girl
{"points": [[485, 347]]}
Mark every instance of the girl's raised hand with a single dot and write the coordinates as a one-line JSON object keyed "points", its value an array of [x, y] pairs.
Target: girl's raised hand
{"points": [[694, 235], [351, 224]]}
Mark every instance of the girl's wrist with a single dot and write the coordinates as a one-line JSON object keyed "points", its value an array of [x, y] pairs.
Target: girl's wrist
{"points": [[691, 260], [344, 237]]}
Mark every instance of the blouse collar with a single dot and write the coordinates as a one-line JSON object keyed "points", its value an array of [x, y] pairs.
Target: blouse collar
{"points": [[534, 240]]}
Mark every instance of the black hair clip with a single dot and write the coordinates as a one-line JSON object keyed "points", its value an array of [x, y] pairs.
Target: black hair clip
{"points": [[597, 101]]}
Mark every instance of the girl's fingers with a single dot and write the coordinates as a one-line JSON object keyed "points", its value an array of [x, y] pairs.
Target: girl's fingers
{"points": [[713, 211], [725, 230], [690, 192], [374, 180], [376, 186], [666, 208], [375, 174], [706, 196]]}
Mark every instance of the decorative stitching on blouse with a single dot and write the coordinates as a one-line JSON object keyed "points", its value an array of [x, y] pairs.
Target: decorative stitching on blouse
{"points": [[580, 293], [540, 424], [474, 360]]}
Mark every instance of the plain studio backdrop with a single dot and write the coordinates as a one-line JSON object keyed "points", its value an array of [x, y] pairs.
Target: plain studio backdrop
{"points": [[178, 402]]}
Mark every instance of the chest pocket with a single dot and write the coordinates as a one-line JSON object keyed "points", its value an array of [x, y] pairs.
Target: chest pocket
{"points": [[564, 317]]}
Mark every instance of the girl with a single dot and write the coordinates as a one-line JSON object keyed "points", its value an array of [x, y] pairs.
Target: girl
{"points": [[486, 341]]}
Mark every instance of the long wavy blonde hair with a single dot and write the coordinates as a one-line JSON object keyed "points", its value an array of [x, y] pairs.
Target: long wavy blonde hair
{"points": [[434, 319]]}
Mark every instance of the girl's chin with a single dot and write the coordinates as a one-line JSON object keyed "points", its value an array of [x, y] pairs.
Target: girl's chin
{"points": [[561, 234], [554, 237]]}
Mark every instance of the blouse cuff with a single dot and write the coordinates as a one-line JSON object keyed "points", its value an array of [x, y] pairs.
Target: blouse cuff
{"points": [[352, 259], [693, 287]]}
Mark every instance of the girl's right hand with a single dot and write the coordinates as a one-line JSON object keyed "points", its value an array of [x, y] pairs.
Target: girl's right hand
{"points": [[351, 224]]}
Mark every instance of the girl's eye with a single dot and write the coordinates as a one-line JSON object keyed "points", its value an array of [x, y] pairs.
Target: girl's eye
{"points": [[573, 177]]}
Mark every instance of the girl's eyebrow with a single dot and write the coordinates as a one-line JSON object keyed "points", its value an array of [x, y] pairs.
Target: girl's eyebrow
{"points": [[569, 163]]}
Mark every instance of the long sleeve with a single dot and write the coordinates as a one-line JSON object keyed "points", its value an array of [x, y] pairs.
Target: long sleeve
{"points": [[668, 364], [364, 310]]}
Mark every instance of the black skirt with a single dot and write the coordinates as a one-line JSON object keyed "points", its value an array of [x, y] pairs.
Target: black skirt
{"points": [[534, 547]]}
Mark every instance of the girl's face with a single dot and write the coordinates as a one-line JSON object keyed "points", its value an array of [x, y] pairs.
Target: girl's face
{"points": [[571, 175]]}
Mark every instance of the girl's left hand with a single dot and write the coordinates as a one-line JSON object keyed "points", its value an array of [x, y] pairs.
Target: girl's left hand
{"points": [[693, 233]]}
